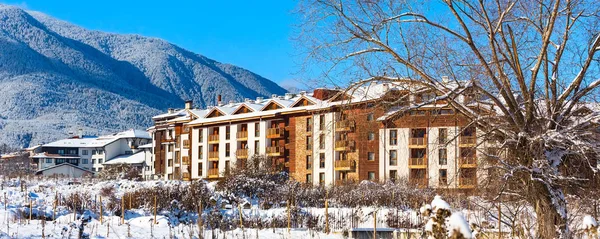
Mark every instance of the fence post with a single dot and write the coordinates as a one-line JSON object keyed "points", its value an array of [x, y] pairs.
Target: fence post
{"points": [[288, 216], [155, 222], [375, 224], [326, 212], [499, 221], [101, 210], [130, 195], [30, 211], [123, 209]]}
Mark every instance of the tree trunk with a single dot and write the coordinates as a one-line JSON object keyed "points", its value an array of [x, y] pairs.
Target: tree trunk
{"points": [[550, 210]]}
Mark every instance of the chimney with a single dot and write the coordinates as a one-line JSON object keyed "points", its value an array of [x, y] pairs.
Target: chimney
{"points": [[259, 100], [170, 110], [288, 96], [445, 79], [231, 102], [247, 100], [189, 105], [219, 100], [80, 135], [274, 96]]}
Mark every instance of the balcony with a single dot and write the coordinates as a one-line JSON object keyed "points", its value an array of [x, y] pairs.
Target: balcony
{"points": [[417, 162], [419, 182], [341, 182], [345, 125], [275, 151], [213, 138], [344, 145], [186, 144], [186, 176], [213, 173], [417, 142], [185, 160], [242, 135], [241, 153], [213, 156], [344, 165], [167, 140], [273, 133], [467, 183], [467, 141], [468, 162]]}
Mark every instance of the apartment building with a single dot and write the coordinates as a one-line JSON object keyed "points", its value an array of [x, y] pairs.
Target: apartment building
{"points": [[375, 132], [89, 153]]}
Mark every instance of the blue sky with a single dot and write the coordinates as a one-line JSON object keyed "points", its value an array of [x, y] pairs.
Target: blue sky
{"points": [[251, 34]]}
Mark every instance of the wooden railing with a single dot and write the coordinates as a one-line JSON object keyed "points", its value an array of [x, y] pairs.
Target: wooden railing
{"points": [[275, 132], [241, 153], [467, 182], [344, 145], [186, 144], [417, 141], [213, 172], [468, 161], [345, 125], [467, 140], [213, 155], [213, 138], [242, 135], [275, 151], [417, 162], [344, 164], [185, 160]]}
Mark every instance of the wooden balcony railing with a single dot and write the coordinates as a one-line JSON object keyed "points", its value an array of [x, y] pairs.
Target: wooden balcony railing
{"points": [[242, 135], [345, 125], [185, 160], [186, 176], [344, 145], [213, 172], [417, 142], [275, 133], [468, 162], [241, 153], [275, 151], [344, 165], [417, 162], [419, 182], [470, 182], [213, 156], [168, 140], [213, 138], [186, 144], [467, 140]]}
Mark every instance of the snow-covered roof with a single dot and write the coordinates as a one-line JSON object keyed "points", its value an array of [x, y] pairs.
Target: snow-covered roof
{"points": [[145, 146], [94, 141], [47, 155], [136, 158], [63, 165]]}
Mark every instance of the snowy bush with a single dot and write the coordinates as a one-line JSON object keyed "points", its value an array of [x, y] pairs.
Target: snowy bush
{"points": [[442, 223]]}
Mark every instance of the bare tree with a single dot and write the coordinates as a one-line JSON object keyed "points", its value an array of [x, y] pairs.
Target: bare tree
{"points": [[532, 66]]}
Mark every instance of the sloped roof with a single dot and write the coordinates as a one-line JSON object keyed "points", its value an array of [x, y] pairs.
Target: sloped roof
{"points": [[63, 165], [137, 158]]}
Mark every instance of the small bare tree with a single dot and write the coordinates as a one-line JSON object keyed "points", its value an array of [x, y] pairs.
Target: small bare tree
{"points": [[529, 67]]}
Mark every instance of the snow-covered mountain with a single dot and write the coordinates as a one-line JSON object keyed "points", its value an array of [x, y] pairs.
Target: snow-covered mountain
{"points": [[56, 77]]}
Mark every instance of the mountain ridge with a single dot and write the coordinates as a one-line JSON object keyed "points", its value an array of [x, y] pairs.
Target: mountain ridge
{"points": [[56, 77]]}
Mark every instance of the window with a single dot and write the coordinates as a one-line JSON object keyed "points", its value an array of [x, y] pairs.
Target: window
{"points": [[443, 135], [200, 152], [200, 169], [48, 160], [309, 124], [72, 151], [308, 178], [308, 161], [84, 152], [256, 129], [309, 142], [100, 160], [256, 147], [321, 178], [393, 175], [100, 151], [93, 152], [227, 150], [227, 167], [370, 117], [200, 136], [84, 161], [371, 176], [321, 122], [322, 141], [93, 161], [443, 156], [321, 160], [61, 151], [371, 136], [393, 137], [393, 157], [227, 132], [371, 156], [443, 177], [170, 163]]}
